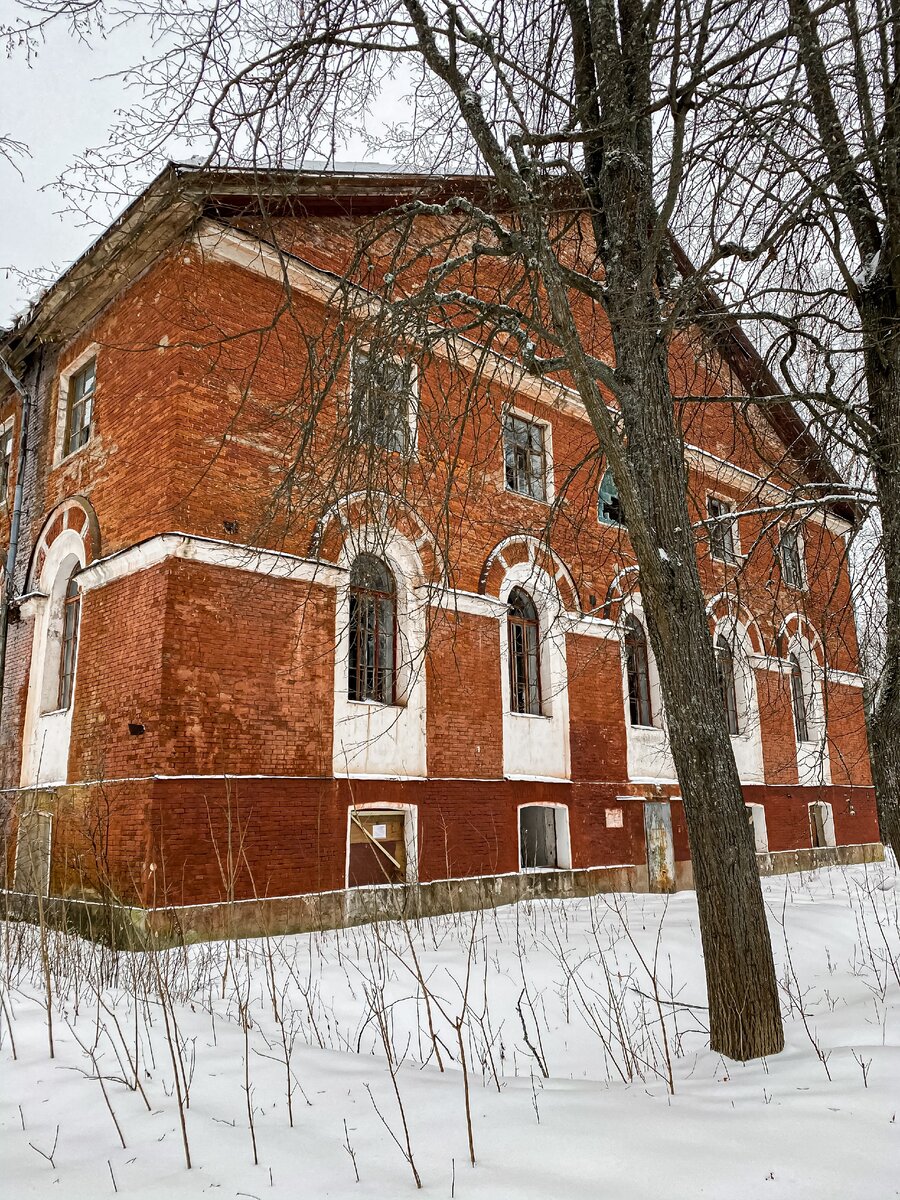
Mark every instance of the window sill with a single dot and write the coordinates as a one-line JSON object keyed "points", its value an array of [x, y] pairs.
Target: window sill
{"points": [[370, 704], [530, 716], [55, 712], [734, 560], [547, 501], [73, 454], [646, 729]]}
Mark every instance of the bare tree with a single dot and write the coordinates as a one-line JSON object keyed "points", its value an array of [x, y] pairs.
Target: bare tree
{"points": [[582, 117], [809, 129]]}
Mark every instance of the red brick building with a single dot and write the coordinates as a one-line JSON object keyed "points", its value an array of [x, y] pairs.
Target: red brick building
{"points": [[291, 613]]}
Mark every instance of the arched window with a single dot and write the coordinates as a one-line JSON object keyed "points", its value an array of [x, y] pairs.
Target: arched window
{"points": [[609, 507], [373, 631], [637, 665], [69, 646], [799, 700], [725, 669], [523, 630]]}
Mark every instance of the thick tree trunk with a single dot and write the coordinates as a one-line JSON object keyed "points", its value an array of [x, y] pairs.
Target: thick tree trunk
{"points": [[880, 315], [745, 1015], [744, 1008]]}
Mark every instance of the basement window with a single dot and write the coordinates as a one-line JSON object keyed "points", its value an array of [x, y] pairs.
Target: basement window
{"points": [[821, 825], [543, 837], [377, 847]]}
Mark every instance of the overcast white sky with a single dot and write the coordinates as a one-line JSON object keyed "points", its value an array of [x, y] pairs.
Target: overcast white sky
{"points": [[59, 104]]}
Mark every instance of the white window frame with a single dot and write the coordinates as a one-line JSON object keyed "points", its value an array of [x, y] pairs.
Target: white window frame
{"points": [[827, 823], [62, 404], [563, 837], [412, 416], [760, 831], [8, 428], [733, 524], [410, 836], [510, 410]]}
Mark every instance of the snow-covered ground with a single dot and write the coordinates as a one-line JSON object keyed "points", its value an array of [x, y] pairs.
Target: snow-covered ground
{"points": [[582, 1076]]}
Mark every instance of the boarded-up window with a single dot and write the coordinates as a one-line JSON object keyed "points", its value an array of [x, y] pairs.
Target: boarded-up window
{"points": [[377, 848], [33, 852]]}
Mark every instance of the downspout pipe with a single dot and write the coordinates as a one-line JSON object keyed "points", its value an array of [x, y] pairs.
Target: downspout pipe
{"points": [[16, 518]]}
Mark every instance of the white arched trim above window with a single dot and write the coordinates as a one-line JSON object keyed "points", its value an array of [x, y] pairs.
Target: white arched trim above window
{"points": [[805, 670], [649, 756], [56, 609], [536, 744], [372, 737], [739, 636]]}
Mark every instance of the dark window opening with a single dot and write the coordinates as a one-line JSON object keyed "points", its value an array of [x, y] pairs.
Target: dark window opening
{"points": [[721, 529], [725, 670], [6, 452], [818, 816], [525, 457], [381, 402], [799, 700], [80, 407], [609, 506], [791, 560], [538, 836], [637, 664], [69, 645], [524, 630], [373, 631]]}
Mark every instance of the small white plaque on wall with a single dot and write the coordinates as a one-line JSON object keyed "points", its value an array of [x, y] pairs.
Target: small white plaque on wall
{"points": [[379, 832], [614, 818]]}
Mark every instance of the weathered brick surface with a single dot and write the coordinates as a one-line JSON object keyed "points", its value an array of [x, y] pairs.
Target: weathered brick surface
{"points": [[208, 401]]}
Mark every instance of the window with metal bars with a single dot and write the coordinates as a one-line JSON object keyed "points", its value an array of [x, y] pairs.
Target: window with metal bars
{"points": [[637, 665], [800, 700], [727, 686], [381, 402], [721, 529], [372, 667], [791, 556], [80, 406], [525, 456], [69, 644], [523, 628]]}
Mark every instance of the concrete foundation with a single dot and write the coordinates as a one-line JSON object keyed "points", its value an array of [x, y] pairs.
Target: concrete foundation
{"points": [[144, 928]]}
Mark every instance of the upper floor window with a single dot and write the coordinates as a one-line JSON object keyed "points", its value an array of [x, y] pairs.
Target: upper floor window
{"points": [[609, 506], [725, 671], [373, 631], [80, 407], [69, 643], [790, 550], [382, 402], [637, 669], [6, 453], [525, 456], [523, 630], [721, 529], [799, 700]]}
